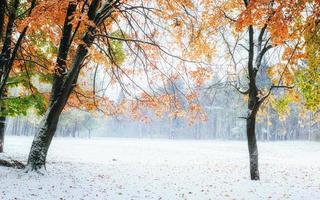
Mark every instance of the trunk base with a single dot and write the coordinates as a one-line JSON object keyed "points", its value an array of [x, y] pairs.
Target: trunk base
{"points": [[254, 174], [37, 158], [253, 148]]}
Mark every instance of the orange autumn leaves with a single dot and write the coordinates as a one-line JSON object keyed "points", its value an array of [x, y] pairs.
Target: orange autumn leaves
{"points": [[193, 24], [281, 16], [167, 105], [200, 75], [48, 26]]}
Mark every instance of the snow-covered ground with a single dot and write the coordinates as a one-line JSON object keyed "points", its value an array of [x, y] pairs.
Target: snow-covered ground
{"points": [[127, 169]]}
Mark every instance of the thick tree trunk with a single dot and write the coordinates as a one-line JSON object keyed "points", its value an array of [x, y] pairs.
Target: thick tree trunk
{"points": [[253, 148], [42, 140]]}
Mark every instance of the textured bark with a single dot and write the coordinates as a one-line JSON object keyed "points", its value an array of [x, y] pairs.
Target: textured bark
{"points": [[6, 50], [42, 140], [61, 68], [253, 107], [252, 147]]}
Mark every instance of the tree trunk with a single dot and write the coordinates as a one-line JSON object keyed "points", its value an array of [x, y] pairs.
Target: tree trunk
{"points": [[42, 140], [253, 107], [2, 126], [2, 119], [4, 56], [2, 130], [253, 148], [253, 104]]}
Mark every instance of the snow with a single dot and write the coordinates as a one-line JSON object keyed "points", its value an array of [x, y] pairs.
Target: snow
{"points": [[108, 168]]}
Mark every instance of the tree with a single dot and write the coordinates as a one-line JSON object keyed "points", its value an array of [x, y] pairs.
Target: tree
{"points": [[90, 23], [63, 83], [11, 13], [263, 26]]}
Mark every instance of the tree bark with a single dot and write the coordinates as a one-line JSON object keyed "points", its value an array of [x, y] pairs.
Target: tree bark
{"points": [[2, 125], [253, 148], [42, 140], [253, 107]]}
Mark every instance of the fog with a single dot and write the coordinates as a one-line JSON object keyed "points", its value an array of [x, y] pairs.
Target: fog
{"points": [[225, 110]]}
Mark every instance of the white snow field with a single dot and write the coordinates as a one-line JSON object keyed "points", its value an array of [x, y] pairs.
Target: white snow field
{"points": [[128, 169]]}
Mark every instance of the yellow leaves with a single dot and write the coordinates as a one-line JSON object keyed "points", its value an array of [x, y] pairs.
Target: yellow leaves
{"points": [[166, 105], [282, 104], [281, 18], [279, 31], [196, 114], [153, 53], [200, 75], [173, 9], [293, 54], [177, 114], [42, 14], [256, 14], [308, 78], [99, 58], [161, 104], [281, 73], [200, 46]]}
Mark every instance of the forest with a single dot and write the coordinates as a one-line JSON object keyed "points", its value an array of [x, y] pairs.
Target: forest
{"points": [[94, 91]]}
